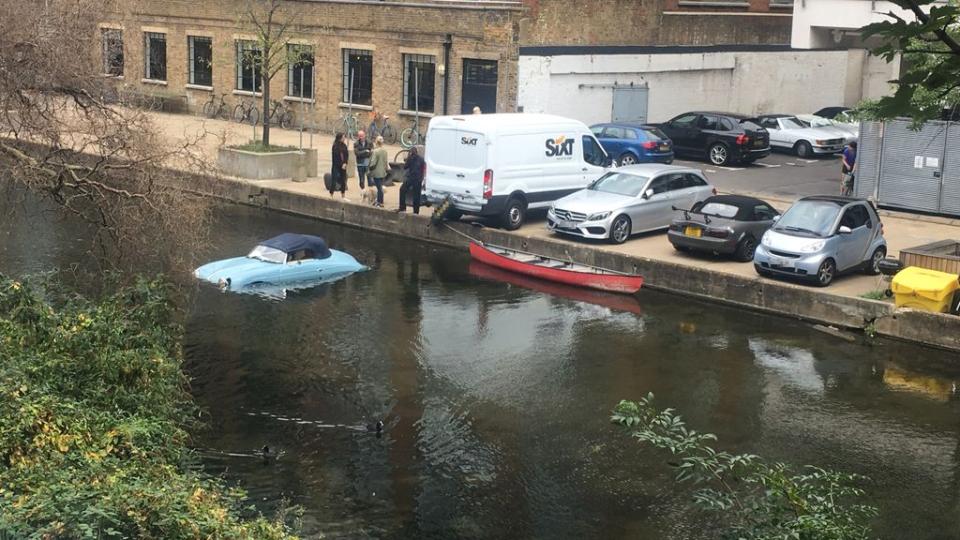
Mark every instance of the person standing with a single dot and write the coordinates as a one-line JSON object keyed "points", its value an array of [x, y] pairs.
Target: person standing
{"points": [[413, 181], [378, 168], [848, 169], [338, 171], [362, 151]]}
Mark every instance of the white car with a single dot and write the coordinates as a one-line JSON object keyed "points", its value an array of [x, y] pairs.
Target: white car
{"points": [[850, 130], [790, 133]]}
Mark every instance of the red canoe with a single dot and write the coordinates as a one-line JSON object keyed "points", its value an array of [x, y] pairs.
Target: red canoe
{"points": [[616, 302], [570, 273]]}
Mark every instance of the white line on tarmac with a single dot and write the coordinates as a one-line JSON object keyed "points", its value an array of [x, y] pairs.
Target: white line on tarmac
{"points": [[792, 164], [767, 165], [809, 160], [711, 171], [730, 168]]}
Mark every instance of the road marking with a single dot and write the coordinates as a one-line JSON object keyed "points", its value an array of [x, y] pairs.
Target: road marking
{"points": [[809, 160], [767, 165], [730, 168], [711, 171], [792, 164]]}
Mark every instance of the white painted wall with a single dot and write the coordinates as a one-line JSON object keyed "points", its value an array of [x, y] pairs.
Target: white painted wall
{"points": [[812, 19], [580, 86]]}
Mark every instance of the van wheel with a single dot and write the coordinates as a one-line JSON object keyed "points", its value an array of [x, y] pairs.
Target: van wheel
{"points": [[620, 229], [514, 214]]}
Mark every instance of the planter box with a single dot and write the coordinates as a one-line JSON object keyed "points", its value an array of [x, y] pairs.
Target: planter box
{"points": [[265, 165], [943, 256]]}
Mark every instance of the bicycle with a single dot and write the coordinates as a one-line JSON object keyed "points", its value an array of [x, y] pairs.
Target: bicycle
{"points": [[383, 129], [280, 114], [212, 109], [348, 125], [246, 111], [411, 136]]}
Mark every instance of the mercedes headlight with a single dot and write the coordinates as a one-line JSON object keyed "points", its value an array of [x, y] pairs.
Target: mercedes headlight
{"points": [[598, 216], [813, 247]]}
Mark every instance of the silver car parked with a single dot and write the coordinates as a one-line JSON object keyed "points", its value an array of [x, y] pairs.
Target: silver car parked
{"points": [[628, 200], [820, 237]]}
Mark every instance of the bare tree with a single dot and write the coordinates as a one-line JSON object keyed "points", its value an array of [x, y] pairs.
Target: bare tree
{"points": [[64, 134], [271, 21]]}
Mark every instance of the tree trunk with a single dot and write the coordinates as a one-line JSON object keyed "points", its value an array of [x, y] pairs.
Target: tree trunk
{"points": [[265, 77]]}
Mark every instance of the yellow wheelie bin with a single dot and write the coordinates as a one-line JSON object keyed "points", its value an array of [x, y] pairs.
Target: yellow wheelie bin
{"points": [[920, 288]]}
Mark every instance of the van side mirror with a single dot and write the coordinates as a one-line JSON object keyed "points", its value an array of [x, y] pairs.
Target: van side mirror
{"points": [[776, 217], [844, 230], [648, 193], [608, 161]]}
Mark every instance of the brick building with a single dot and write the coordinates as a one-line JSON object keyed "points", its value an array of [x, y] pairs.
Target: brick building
{"points": [[398, 56], [434, 56]]}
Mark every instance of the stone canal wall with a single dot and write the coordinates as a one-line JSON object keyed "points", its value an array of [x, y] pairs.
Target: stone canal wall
{"points": [[784, 299]]}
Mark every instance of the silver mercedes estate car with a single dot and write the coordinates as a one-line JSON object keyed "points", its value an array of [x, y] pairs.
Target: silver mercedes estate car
{"points": [[628, 200]]}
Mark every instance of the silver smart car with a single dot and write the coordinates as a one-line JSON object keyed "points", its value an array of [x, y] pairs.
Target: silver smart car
{"points": [[820, 237], [628, 200]]}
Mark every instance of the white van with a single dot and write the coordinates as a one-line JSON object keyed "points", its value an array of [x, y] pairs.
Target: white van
{"points": [[502, 164]]}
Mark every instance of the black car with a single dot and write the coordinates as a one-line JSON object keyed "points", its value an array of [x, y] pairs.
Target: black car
{"points": [[723, 225], [831, 112], [721, 138]]}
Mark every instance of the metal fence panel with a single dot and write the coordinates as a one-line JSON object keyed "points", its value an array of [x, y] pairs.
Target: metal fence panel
{"points": [[868, 160], [910, 165], [950, 194]]}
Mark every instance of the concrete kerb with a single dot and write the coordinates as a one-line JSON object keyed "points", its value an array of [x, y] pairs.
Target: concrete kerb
{"points": [[783, 299]]}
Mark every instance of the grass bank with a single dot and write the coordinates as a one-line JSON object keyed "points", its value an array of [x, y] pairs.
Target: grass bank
{"points": [[94, 420]]}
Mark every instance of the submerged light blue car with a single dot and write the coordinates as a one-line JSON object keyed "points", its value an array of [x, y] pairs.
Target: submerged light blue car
{"points": [[286, 259]]}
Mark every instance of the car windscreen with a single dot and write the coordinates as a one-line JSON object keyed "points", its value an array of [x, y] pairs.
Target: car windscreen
{"points": [[268, 254], [719, 209], [654, 134], [792, 123], [811, 218], [620, 184]]}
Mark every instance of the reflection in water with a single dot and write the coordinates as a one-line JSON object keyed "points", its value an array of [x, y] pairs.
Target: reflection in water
{"points": [[495, 394]]}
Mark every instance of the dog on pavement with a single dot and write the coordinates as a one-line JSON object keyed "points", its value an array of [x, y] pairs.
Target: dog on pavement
{"points": [[369, 196]]}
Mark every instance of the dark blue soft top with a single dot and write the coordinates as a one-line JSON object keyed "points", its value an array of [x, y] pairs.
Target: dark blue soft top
{"points": [[292, 242]]}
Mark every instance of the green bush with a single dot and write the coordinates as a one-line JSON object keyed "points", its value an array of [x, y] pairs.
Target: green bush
{"points": [[755, 499], [94, 415]]}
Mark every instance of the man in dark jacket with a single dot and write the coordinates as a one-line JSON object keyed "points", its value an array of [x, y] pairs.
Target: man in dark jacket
{"points": [[362, 149], [413, 182]]}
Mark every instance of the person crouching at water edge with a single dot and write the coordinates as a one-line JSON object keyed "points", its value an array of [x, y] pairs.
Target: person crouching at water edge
{"points": [[338, 172], [413, 182]]}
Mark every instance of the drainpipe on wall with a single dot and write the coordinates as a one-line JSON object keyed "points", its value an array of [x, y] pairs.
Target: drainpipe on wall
{"points": [[447, 43]]}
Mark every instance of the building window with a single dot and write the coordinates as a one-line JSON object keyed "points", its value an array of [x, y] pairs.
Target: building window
{"points": [[248, 69], [155, 56], [112, 45], [418, 82], [200, 60], [358, 77], [300, 71]]}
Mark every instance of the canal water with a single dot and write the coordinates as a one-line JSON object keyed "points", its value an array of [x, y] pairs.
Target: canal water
{"points": [[495, 395]]}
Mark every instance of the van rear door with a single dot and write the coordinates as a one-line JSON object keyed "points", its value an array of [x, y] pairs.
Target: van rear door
{"points": [[456, 161]]}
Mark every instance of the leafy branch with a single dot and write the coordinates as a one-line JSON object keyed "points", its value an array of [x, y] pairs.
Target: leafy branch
{"points": [[757, 499]]}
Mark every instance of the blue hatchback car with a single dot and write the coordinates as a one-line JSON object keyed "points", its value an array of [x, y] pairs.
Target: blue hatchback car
{"points": [[634, 143]]}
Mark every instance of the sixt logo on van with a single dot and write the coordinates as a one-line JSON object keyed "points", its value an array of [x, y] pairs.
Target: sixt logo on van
{"points": [[559, 147], [469, 141]]}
